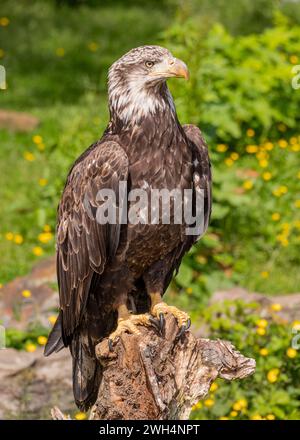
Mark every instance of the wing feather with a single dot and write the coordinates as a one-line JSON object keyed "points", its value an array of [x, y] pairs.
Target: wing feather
{"points": [[202, 180], [83, 243]]}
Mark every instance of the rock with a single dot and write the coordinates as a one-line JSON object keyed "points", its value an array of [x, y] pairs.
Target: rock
{"points": [[290, 303], [19, 312], [17, 121], [31, 384]]}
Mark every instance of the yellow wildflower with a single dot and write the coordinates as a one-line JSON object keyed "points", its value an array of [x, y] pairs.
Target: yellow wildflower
{"points": [[189, 290], [26, 293], [52, 319], [285, 226], [282, 239], [280, 191], [276, 307], [38, 251], [223, 418], [267, 175], [291, 353], [264, 352], [293, 140], [18, 239], [209, 402], [275, 216], [233, 413], [30, 348], [270, 417], [273, 374], [234, 156], [256, 417], [248, 184], [262, 155], [60, 51], [201, 259], [283, 189], [296, 147], [250, 132], [282, 143], [276, 192], [29, 156], [269, 146], [294, 59], [297, 224], [263, 163], [243, 403], [9, 236], [197, 405], [80, 416], [93, 47], [43, 182], [4, 21], [214, 386], [252, 149], [229, 162], [265, 274], [240, 404], [222, 148], [297, 203], [47, 228], [42, 340], [260, 331], [262, 323], [37, 139], [41, 147], [45, 237], [282, 127], [296, 325]]}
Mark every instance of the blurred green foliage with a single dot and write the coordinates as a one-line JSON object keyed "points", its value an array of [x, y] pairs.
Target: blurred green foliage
{"points": [[26, 339], [241, 96], [273, 391]]}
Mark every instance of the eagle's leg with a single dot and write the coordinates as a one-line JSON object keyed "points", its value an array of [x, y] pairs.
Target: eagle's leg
{"points": [[159, 308], [128, 322]]}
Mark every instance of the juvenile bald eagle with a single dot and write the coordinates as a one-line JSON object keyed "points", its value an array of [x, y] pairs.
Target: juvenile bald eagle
{"points": [[112, 276]]}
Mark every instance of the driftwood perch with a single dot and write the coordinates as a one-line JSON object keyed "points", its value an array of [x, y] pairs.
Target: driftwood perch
{"points": [[154, 377]]}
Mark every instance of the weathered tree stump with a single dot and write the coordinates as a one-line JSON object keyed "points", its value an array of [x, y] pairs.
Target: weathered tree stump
{"points": [[159, 378]]}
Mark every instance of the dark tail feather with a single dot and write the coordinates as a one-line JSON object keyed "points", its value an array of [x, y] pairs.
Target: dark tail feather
{"points": [[55, 342], [87, 374]]}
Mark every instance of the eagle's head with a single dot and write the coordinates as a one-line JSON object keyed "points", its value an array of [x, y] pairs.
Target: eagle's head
{"points": [[137, 83]]}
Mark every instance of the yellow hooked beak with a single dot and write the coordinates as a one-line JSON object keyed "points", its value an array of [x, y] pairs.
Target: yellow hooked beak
{"points": [[171, 68]]}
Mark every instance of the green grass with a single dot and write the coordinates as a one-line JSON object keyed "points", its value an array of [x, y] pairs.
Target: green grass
{"points": [[67, 93]]}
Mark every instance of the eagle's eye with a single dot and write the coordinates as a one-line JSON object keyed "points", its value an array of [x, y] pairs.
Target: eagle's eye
{"points": [[149, 64]]}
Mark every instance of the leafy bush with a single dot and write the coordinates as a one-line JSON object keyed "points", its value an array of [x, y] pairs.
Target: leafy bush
{"points": [[273, 392], [27, 339], [240, 95]]}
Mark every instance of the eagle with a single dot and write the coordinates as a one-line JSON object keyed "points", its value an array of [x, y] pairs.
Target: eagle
{"points": [[112, 276]]}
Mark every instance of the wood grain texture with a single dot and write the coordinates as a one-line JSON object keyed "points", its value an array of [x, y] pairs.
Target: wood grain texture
{"points": [[154, 377]]}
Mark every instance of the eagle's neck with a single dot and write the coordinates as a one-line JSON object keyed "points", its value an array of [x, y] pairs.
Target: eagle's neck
{"points": [[130, 106]]}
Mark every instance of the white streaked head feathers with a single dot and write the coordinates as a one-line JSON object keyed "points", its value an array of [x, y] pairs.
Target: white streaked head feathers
{"points": [[133, 92]]}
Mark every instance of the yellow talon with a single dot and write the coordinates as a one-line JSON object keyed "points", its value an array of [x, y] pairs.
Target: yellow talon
{"points": [[161, 307], [129, 325]]}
